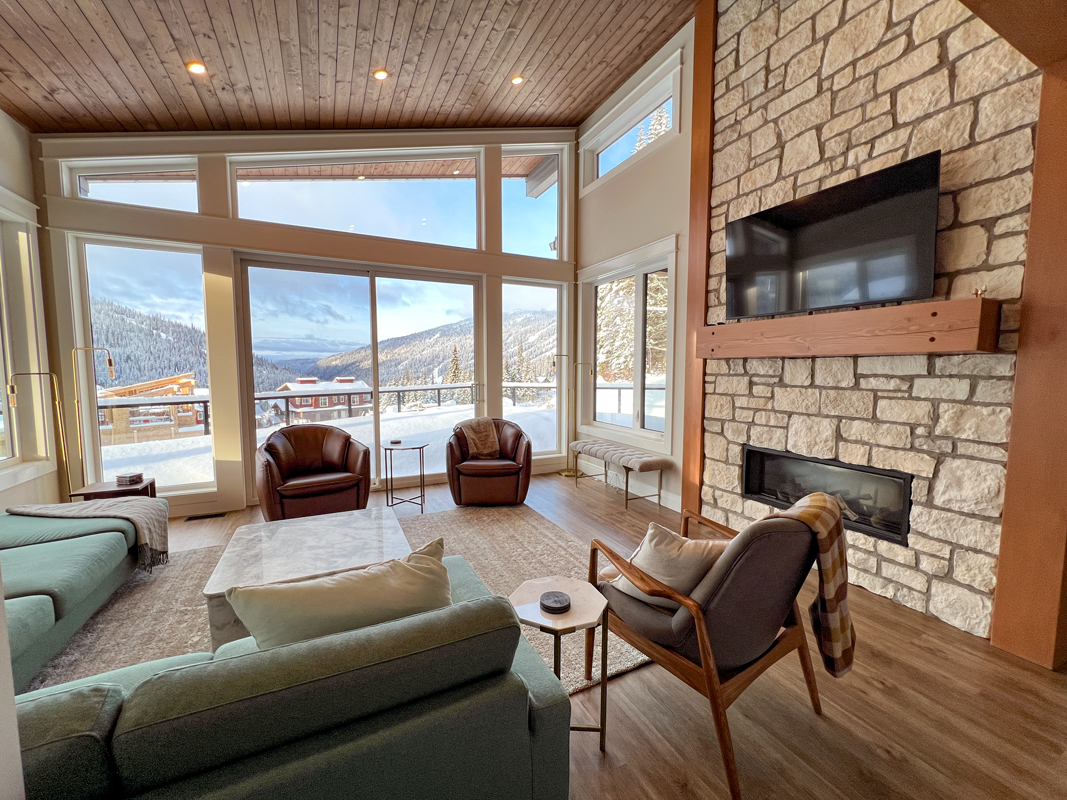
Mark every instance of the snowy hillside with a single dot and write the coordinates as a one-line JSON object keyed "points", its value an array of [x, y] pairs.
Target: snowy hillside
{"points": [[147, 347]]}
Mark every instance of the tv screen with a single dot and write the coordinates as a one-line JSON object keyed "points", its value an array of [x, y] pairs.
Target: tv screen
{"points": [[871, 240]]}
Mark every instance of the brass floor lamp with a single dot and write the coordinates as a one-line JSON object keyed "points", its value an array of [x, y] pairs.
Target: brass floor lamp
{"points": [[57, 404], [572, 472], [77, 399]]}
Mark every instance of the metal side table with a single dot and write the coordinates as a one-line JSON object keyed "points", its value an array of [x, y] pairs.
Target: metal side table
{"points": [[589, 608], [389, 471]]}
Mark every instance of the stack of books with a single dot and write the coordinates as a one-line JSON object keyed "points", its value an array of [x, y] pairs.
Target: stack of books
{"points": [[129, 478]]}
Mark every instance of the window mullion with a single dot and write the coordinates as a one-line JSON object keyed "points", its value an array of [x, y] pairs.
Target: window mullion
{"points": [[639, 352]]}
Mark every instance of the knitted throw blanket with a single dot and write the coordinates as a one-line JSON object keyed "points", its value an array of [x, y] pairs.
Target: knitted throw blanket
{"points": [[148, 515], [829, 613], [482, 441]]}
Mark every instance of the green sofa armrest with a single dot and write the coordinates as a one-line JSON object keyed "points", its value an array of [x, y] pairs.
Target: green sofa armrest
{"points": [[550, 723], [64, 738]]}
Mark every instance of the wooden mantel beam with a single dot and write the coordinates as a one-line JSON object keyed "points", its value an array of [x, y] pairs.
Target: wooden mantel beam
{"points": [[1036, 28], [969, 325]]}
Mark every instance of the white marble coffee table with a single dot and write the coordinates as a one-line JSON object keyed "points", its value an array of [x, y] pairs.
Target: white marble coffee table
{"points": [[589, 608], [290, 549]]}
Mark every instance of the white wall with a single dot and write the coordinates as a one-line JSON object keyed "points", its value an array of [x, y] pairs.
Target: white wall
{"points": [[640, 204], [15, 176]]}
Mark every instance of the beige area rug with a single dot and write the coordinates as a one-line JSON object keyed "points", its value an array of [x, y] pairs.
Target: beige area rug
{"points": [[150, 616], [164, 614], [512, 544]]}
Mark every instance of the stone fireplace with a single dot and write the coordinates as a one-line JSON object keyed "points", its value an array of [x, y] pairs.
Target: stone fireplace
{"points": [[873, 501], [812, 93]]}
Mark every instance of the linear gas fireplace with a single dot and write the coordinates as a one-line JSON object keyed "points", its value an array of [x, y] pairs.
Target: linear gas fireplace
{"points": [[873, 501]]}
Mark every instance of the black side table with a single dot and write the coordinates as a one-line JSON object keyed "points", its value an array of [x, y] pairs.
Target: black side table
{"points": [[389, 471]]}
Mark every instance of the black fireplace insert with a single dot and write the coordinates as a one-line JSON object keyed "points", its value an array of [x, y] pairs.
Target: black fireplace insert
{"points": [[873, 501]]}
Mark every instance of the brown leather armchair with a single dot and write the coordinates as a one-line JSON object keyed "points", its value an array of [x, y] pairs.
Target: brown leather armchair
{"points": [[305, 470], [500, 481]]}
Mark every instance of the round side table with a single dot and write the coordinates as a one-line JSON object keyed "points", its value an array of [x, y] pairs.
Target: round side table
{"points": [[589, 608], [389, 471]]}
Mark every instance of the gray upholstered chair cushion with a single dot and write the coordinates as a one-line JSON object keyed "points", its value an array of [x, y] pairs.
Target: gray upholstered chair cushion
{"points": [[192, 719], [64, 738], [746, 596]]}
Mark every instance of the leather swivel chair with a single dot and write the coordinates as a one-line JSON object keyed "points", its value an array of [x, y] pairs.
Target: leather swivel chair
{"points": [[501, 481], [305, 470]]}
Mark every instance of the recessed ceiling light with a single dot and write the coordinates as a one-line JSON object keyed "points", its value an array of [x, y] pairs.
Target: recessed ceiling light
{"points": [[196, 68], [455, 172], [381, 74], [517, 79], [361, 177]]}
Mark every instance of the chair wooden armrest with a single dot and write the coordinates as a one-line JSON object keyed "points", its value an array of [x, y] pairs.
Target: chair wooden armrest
{"points": [[642, 580], [722, 530]]}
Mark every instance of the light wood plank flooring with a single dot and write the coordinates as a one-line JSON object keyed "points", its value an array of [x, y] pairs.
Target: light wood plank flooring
{"points": [[927, 712]]}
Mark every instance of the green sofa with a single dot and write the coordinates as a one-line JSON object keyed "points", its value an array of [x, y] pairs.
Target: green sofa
{"points": [[56, 573], [452, 703]]}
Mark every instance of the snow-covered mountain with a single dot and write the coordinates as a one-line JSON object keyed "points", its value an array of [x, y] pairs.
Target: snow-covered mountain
{"points": [[149, 346]]}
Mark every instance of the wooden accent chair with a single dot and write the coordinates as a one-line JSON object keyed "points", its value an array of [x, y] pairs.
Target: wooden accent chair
{"points": [[740, 619]]}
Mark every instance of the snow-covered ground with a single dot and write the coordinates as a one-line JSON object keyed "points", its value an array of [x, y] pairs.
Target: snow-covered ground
{"points": [[175, 462]]}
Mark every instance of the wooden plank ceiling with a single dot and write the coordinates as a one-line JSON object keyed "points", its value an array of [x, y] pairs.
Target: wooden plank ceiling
{"points": [[80, 66]]}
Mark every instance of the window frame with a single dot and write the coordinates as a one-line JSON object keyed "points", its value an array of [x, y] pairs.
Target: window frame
{"points": [[91, 445], [562, 238], [74, 170], [654, 257], [664, 83]]}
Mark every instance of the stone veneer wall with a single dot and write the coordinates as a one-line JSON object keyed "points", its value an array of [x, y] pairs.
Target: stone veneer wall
{"points": [[811, 93]]}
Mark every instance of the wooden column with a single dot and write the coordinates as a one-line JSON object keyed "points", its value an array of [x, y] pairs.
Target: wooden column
{"points": [[699, 247], [1030, 605]]}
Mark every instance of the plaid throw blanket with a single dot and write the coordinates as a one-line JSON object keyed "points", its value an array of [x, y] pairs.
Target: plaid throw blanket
{"points": [[148, 515], [829, 612], [482, 441]]}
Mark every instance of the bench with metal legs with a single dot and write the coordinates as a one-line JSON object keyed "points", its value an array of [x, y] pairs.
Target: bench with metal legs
{"points": [[627, 497]]}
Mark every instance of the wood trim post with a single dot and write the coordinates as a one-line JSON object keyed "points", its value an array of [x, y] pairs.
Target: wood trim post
{"points": [[1030, 606], [699, 250]]}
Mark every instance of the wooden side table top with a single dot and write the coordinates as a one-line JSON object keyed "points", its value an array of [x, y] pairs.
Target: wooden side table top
{"points": [[97, 491]]}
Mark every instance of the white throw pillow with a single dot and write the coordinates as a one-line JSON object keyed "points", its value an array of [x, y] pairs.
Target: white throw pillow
{"points": [[679, 562], [281, 613]]}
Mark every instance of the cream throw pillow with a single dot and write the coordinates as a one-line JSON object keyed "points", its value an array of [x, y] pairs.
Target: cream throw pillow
{"points": [[281, 613], [679, 562]]}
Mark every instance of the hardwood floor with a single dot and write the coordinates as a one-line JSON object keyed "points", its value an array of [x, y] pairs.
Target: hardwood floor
{"points": [[927, 712]]}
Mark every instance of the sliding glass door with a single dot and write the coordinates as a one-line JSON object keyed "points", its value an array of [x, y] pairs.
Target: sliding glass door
{"points": [[146, 308], [426, 369], [380, 356], [312, 357]]}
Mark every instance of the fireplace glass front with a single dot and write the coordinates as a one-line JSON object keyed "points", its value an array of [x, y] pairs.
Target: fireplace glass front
{"points": [[873, 501]]}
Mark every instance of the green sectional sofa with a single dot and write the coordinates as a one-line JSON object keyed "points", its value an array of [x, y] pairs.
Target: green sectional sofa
{"points": [[452, 703], [56, 573]]}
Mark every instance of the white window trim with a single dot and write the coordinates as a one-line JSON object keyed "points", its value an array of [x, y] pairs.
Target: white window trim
{"points": [[663, 84], [649, 258], [30, 426]]}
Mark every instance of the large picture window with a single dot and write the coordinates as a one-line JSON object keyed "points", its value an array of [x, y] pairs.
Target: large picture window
{"points": [[147, 309], [430, 200]]}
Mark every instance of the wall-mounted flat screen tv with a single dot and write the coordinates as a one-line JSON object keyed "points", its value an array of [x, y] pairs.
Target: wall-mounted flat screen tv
{"points": [[870, 240]]}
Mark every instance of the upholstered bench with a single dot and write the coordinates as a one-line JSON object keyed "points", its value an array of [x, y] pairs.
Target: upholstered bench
{"points": [[629, 458]]}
